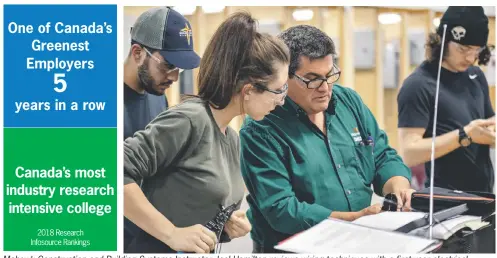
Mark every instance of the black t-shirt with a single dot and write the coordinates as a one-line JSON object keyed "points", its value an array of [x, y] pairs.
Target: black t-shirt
{"points": [[463, 97], [140, 109]]}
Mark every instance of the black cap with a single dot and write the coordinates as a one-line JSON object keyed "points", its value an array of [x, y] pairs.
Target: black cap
{"points": [[466, 25]]}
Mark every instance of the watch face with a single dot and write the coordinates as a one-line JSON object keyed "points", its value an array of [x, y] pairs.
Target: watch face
{"points": [[465, 142]]}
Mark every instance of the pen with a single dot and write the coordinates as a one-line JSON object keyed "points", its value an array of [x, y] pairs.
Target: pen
{"points": [[371, 143]]}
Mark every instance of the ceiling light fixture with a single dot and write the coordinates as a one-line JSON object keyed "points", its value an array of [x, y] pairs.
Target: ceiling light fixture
{"points": [[389, 18], [303, 15], [212, 8]]}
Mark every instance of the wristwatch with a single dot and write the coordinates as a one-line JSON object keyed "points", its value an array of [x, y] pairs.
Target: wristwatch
{"points": [[464, 139]]}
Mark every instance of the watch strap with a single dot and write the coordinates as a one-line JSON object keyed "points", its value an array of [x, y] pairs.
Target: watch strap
{"points": [[463, 136]]}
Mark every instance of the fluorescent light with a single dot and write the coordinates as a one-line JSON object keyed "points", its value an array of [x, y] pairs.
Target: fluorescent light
{"points": [[389, 18], [436, 21], [185, 9], [390, 46], [303, 15], [213, 8]]}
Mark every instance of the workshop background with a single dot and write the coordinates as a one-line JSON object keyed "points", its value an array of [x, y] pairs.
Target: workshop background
{"points": [[378, 47]]}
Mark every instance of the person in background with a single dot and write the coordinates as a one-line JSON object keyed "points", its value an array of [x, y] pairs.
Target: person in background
{"points": [[189, 158], [157, 55], [152, 65], [465, 120], [316, 156]]}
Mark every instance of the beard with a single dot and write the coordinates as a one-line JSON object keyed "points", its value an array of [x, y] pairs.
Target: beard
{"points": [[147, 82]]}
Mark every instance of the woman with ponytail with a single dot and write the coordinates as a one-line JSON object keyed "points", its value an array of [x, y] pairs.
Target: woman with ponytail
{"points": [[188, 156]]}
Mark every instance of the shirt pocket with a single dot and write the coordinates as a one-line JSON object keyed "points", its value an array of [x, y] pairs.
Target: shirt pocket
{"points": [[360, 162]]}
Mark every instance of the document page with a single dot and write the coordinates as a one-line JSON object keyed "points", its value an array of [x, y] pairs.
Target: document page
{"points": [[393, 220], [449, 227], [389, 220], [336, 236]]}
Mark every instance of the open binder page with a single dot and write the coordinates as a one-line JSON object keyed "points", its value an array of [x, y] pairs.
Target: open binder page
{"points": [[336, 236], [394, 220], [447, 228], [389, 220]]}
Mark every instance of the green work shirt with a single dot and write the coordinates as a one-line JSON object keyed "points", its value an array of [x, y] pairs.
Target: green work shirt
{"points": [[296, 175]]}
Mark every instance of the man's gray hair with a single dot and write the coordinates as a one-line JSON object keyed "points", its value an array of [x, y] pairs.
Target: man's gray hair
{"points": [[308, 41]]}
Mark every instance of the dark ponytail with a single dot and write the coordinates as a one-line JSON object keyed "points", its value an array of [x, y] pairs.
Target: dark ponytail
{"points": [[236, 55]]}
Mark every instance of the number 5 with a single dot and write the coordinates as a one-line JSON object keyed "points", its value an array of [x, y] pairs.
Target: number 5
{"points": [[58, 79]]}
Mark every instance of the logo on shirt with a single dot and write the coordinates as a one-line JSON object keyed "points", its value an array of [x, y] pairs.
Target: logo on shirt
{"points": [[356, 135], [473, 76]]}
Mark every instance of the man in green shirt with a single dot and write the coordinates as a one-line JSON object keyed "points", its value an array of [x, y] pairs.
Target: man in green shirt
{"points": [[316, 156]]}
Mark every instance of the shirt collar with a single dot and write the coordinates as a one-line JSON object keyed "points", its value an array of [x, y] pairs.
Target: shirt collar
{"points": [[445, 75]]}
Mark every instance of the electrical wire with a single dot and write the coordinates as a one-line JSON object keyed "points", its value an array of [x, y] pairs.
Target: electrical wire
{"points": [[434, 133]]}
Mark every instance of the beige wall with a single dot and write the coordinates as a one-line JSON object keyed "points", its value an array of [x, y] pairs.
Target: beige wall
{"points": [[491, 40], [337, 23]]}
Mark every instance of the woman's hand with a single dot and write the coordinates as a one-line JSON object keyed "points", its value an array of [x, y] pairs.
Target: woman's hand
{"points": [[238, 225]]}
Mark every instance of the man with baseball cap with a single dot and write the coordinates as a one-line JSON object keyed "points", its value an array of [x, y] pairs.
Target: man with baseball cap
{"points": [[161, 46], [465, 120]]}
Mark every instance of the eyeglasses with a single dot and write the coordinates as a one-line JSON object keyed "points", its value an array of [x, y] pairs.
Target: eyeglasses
{"points": [[316, 83], [468, 51], [281, 93], [164, 67]]}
